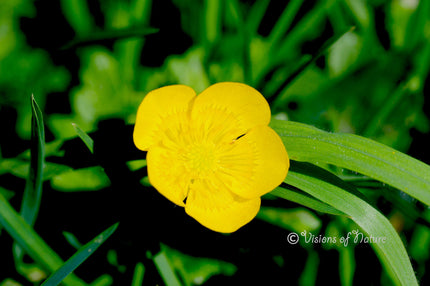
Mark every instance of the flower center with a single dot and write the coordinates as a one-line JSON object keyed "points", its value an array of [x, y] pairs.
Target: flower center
{"points": [[201, 159]]}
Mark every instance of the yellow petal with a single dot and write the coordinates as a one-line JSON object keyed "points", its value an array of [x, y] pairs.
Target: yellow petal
{"points": [[231, 108], [254, 164], [166, 108], [167, 174], [217, 208]]}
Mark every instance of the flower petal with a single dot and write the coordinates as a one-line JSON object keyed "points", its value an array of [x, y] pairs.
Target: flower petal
{"points": [[235, 107], [161, 109], [217, 208], [167, 174], [254, 164]]}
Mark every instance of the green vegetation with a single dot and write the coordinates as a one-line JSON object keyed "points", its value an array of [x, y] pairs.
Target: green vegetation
{"points": [[346, 81]]}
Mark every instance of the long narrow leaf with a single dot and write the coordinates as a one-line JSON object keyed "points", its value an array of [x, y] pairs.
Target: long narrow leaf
{"points": [[89, 142], [165, 270], [31, 242], [328, 188], [255, 16], [375, 160], [79, 257], [78, 15], [305, 200], [139, 271], [307, 61], [212, 20], [33, 188], [235, 11], [284, 22], [96, 37]]}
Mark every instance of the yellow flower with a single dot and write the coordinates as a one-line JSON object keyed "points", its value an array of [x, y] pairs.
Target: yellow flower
{"points": [[214, 153]]}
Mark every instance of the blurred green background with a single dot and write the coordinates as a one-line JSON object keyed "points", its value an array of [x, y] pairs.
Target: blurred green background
{"points": [[350, 66]]}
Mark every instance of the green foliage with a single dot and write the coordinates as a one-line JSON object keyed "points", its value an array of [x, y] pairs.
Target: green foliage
{"points": [[79, 257], [30, 241], [85, 138], [296, 220], [87, 179], [356, 68], [306, 143], [165, 269], [24, 70], [196, 270], [325, 187], [33, 189], [139, 271]]}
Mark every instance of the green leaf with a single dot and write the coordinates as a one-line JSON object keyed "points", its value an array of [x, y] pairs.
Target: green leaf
{"points": [[309, 275], [328, 188], [395, 98], [306, 61], [347, 265], [233, 8], [89, 142], [362, 155], [308, 25], [255, 16], [103, 280], [344, 54], [212, 20], [95, 37], [295, 219], [72, 239], [304, 199], [21, 168], [6, 193], [134, 165], [193, 62], [78, 15], [86, 179], [79, 257], [31, 242], [165, 269], [139, 271], [283, 24], [33, 188], [196, 270], [417, 29]]}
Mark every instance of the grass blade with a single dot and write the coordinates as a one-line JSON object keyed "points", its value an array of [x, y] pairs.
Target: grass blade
{"points": [[359, 154], [31, 242], [78, 15], [305, 200], [104, 280], [328, 188], [79, 257], [165, 270], [96, 37], [307, 61], [139, 271], [72, 239], [33, 188], [85, 137], [235, 11], [212, 21], [284, 22], [255, 16]]}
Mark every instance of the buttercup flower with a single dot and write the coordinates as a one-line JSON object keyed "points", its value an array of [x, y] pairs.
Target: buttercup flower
{"points": [[214, 153]]}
